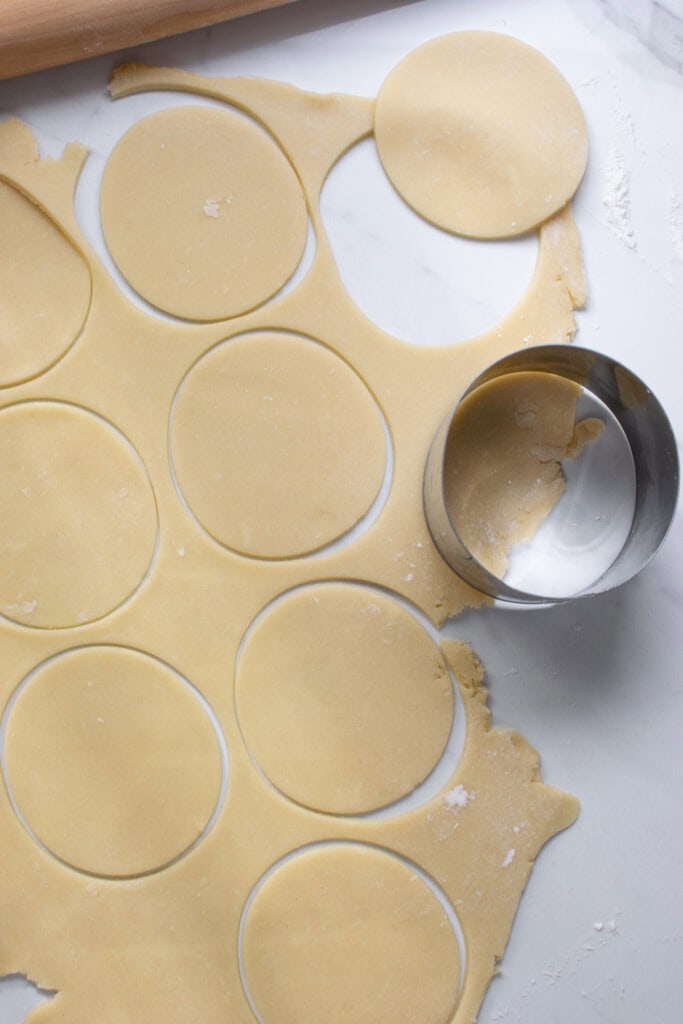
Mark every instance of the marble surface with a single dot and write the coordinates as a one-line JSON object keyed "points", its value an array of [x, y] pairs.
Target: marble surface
{"points": [[596, 686]]}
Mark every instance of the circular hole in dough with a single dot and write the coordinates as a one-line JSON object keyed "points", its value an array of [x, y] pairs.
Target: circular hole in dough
{"points": [[78, 518], [347, 932], [278, 447], [44, 289], [481, 134], [202, 212], [111, 760], [343, 699], [445, 288]]}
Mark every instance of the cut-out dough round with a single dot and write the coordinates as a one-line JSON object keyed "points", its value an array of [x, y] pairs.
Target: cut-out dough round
{"points": [[112, 761], [349, 933], [277, 445], [481, 134], [202, 212], [44, 289], [342, 674], [78, 519]]}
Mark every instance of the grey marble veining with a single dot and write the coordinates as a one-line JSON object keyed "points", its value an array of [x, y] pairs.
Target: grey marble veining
{"points": [[658, 25]]}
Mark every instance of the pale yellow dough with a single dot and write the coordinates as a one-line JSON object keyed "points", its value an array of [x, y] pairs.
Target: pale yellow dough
{"points": [[277, 446], [202, 212], [347, 933], [78, 519], [112, 761], [481, 134], [163, 948], [44, 289], [343, 699]]}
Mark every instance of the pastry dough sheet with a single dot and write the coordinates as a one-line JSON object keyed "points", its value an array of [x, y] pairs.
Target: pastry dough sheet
{"points": [[132, 927]]}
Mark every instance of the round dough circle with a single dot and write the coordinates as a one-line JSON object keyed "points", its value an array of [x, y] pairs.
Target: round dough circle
{"points": [[44, 289], [112, 762], [349, 933], [202, 212], [343, 699], [277, 445], [78, 518], [481, 134]]}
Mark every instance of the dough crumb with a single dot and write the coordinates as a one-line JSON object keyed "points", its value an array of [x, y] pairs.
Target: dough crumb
{"points": [[584, 432], [598, 926], [508, 858], [181, 551], [211, 208], [457, 798], [546, 453], [525, 415]]}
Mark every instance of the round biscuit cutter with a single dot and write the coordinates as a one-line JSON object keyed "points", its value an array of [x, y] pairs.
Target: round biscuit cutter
{"points": [[653, 449]]}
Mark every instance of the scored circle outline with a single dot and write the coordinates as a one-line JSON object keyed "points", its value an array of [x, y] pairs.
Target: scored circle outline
{"points": [[71, 525], [175, 234], [296, 719], [424, 906], [35, 359], [228, 514], [137, 863]]}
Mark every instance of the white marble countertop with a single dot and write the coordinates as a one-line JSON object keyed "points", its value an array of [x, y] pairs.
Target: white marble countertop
{"points": [[596, 686]]}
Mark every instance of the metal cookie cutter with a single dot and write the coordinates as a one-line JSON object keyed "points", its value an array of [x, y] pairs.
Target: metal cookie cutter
{"points": [[653, 449]]}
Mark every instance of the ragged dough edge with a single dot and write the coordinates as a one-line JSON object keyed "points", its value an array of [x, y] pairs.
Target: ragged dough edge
{"points": [[560, 811], [562, 236], [49, 184], [461, 862]]}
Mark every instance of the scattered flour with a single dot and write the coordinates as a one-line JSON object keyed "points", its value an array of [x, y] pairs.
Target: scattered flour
{"points": [[508, 858], [23, 607], [457, 798], [676, 225], [616, 197]]}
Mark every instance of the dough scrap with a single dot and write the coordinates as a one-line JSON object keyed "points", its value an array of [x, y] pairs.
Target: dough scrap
{"points": [[162, 948], [502, 472], [343, 699], [349, 933], [481, 134], [202, 212], [112, 761], [44, 289], [78, 520], [277, 445]]}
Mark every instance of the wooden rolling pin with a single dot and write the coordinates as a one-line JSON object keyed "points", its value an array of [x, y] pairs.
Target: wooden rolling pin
{"points": [[36, 34]]}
